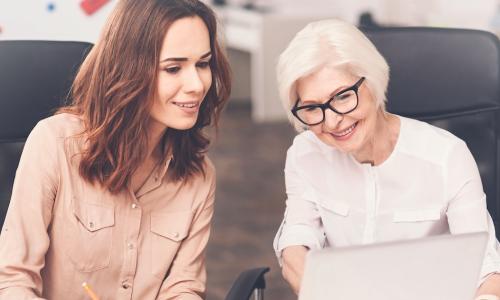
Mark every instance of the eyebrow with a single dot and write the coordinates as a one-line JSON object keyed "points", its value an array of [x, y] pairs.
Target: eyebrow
{"points": [[185, 58], [335, 92]]}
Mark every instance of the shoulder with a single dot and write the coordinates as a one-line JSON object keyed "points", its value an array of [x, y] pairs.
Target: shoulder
{"points": [[307, 143], [209, 168], [57, 135], [311, 159], [203, 179], [49, 131], [426, 141], [204, 184], [62, 125]]}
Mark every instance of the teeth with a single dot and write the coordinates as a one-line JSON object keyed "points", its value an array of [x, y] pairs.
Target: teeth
{"points": [[188, 105], [345, 132]]}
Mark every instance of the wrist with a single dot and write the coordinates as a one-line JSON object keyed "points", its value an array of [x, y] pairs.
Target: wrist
{"points": [[487, 297]]}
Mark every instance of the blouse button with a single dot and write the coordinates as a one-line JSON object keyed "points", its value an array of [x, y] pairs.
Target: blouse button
{"points": [[134, 205], [175, 234], [125, 285], [91, 224]]}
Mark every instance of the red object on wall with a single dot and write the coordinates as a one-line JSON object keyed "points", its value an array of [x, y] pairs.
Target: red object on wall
{"points": [[91, 6]]}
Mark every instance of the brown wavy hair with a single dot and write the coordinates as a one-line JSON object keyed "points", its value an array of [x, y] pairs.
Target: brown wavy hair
{"points": [[115, 88]]}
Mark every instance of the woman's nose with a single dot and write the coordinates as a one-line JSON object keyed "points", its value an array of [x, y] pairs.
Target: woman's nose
{"points": [[193, 82], [332, 119]]}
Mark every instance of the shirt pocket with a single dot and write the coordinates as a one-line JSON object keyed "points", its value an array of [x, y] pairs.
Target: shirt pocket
{"points": [[416, 215], [338, 208], [418, 222], [89, 235], [168, 230]]}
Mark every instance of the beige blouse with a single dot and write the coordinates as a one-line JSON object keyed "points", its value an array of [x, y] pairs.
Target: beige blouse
{"points": [[61, 231]]}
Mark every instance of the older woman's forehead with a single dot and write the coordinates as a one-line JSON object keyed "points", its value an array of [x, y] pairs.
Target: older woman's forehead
{"points": [[323, 82]]}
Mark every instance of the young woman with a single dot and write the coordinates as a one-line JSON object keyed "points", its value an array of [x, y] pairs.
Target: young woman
{"points": [[115, 190], [357, 174]]}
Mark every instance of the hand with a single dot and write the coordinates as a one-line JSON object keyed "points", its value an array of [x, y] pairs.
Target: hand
{"points": [[490, 288]]}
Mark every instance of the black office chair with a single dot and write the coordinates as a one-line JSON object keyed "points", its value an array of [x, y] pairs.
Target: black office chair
{"points": [[35, 79], [366, 20], [450, 78], [249, 282]]}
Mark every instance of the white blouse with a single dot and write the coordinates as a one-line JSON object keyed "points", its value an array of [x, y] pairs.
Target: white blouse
{"points": [[429, 185]]}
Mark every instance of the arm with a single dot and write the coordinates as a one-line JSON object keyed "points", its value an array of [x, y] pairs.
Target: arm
{"points": [[301, 228], [490, 274], [294, 258], [467, 212], [187, 276], [24, 239], [491, 286]]}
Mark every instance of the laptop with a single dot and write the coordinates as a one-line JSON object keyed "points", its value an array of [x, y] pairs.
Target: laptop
{"points": [[445, 267]]}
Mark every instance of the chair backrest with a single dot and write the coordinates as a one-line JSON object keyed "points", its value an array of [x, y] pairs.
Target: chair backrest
{"points": [[450, 78], [35, 78]]}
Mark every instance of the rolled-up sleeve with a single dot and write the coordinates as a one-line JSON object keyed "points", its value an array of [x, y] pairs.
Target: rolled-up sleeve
{"points": [[491, 263], [467, 211], [24, 240], [301, 223]]}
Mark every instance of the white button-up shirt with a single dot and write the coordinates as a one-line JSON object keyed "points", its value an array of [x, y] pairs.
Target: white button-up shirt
{"points": [[429, 185]]}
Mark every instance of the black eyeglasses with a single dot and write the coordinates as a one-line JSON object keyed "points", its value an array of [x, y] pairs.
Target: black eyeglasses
{"points": [[342, 103]]}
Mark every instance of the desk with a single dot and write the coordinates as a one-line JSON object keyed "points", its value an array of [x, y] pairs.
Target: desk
{"points": [[264, 36]]}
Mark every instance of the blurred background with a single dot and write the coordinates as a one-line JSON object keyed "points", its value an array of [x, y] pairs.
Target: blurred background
{"points": [[249, 149]]}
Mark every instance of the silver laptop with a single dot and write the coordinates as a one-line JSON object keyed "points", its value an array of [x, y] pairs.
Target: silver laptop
{"points": [[443, 267]]}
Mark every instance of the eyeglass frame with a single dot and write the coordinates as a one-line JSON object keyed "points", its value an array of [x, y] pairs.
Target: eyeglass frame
{"points": [[324, 106]]}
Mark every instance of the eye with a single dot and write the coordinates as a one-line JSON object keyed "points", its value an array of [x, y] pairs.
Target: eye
{"points": [[172, 70], [345, 96], [203, 64], [310, 108]]}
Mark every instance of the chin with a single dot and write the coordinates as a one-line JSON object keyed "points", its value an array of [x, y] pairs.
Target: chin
{"points": [[183, 125], [349, 146]]}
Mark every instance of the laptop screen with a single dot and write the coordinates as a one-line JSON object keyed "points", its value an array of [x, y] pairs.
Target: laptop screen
{"points": [[434, 268]]}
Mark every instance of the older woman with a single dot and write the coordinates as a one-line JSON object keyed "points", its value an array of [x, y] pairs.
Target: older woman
{"points": [[346, 174]]}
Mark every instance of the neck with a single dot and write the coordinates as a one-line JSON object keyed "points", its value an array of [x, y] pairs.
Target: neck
{"points": [[380, 145], [156, 132]]}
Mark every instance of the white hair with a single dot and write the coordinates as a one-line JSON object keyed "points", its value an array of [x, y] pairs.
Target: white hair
{"points": [[335, 43]]}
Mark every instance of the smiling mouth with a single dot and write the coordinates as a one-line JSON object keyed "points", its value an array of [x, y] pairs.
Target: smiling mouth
{"points": [[345, 132], [186, 104]]}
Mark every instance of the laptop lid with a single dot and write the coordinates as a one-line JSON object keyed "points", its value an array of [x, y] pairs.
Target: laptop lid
{"points": [[443, 267]]}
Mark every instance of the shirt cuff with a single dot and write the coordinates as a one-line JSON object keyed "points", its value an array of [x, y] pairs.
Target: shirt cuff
{"points": [[491, 263], [296, 235], [491, 266]]}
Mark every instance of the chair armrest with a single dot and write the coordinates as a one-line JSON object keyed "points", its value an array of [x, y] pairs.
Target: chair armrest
{"points": [[246, 283]]}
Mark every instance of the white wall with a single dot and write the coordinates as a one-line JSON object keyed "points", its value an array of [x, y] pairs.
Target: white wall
{"points": [[449, 13], [32, 19], [476, 14]]}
